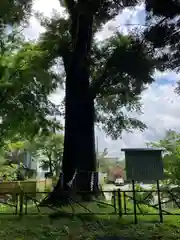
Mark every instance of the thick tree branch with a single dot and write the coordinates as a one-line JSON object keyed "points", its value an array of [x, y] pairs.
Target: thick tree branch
{"points": [[69, 4], [157, 25]]}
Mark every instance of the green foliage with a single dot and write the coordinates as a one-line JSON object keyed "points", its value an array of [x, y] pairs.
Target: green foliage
{"points": [[11, 159], [120, 67], [171, 144], [27, 77], [12, 149], [163, 32], [40, 227], [116, 81], [14, 11], [49, 150], [10, 172], [124, 70], [105, 162], [25, 83], [46, 149], [143, 197]]}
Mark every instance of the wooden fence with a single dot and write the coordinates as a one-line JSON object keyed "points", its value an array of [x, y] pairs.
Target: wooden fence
{"points": [[123, 203], [25, 186]]}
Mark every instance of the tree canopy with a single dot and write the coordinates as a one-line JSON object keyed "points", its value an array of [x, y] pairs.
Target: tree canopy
{"points": [[44, 150], [26, 82], [15, 11], [103, 79], [48, 150], [163, 32], [171, 158], [116, 82]]}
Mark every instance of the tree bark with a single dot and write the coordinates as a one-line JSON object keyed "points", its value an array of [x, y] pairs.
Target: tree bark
{"points": [[79, 143], [79, 140]]}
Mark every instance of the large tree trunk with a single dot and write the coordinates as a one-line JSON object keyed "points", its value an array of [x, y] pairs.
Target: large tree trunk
{"points": [[79, 149], [79, 144], [79, 141]]}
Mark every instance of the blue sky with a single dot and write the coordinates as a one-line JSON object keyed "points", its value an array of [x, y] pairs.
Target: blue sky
{"points": [[160, 104], [166, 80]]}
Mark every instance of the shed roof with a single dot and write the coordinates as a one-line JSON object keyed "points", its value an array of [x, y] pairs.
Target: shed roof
{"points": [[142, 149]]}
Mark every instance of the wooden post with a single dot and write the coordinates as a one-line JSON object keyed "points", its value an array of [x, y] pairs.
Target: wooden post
{"points": [[21, 199], [45, 184], [134, 201], [119, 203], [17, 203], [124, 201], [26, 202], [159, 202], [114, 201]]}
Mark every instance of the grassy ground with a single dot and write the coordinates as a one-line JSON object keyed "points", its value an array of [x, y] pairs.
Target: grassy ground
{"points": [[39, 227], [42, 228]]}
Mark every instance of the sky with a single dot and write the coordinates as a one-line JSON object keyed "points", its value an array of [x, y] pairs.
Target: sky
{"points": [[160, 104]]}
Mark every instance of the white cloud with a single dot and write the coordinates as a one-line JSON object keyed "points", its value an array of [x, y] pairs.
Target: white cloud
{"points": [[127, 17], [124, 22], [160, 103], [166, 77], [46, 7], [57, 97], [161, 106], [161, 112], [33, 30]]}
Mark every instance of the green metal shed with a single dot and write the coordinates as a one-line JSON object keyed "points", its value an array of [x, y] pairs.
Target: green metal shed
{"points": [[143, 164]]}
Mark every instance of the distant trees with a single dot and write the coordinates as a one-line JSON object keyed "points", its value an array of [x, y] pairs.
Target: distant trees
{"points": [[25, 84], [45, 150], [49, 151], [171, 158]]}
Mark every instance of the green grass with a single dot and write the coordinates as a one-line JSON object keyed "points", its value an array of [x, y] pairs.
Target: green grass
{"points": [[40, 227]]}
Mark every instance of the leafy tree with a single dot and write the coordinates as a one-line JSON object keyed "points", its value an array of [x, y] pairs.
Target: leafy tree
{"points": [[26, 81], [12, 151], [105, 162], [101, 162], [11, 166], [14, 11], [171, 158], [8, 172], [103, 80], [163, 32], [49, 150], [46, 149]]}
